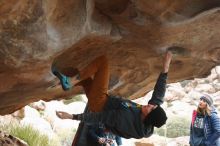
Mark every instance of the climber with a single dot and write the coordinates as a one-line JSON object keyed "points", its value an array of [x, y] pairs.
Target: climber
{"points": [[121, 116]]}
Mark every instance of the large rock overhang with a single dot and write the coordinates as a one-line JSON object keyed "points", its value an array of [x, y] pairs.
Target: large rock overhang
{"points": [[134, 35]]}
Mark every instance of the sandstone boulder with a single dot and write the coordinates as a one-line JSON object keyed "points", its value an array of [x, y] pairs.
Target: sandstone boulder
{"points": [[133, 34]]}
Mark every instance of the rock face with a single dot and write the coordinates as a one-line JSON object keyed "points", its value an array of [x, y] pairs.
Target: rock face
{"points": [[133, 34]]}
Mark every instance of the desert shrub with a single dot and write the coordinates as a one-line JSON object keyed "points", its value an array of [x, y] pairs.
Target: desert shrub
{"points": [[184, 83], [66, 136], [28, 134], [176, 126]]}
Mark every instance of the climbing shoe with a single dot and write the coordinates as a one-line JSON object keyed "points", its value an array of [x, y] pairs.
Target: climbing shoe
{"points": [[64, 80]]}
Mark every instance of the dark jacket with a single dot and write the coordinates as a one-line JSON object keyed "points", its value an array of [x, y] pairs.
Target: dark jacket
{"points": [[123, 117], [211, 129]]}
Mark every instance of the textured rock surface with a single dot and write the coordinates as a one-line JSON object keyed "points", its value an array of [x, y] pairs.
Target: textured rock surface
{"points": [[133, 33]]}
